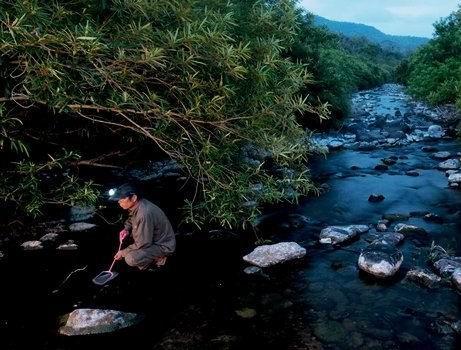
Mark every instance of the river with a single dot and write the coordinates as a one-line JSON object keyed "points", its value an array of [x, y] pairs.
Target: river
{"points": [[203, 300]]}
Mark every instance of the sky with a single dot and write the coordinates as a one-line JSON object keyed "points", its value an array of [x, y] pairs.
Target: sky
{"points": [[398, 17]]}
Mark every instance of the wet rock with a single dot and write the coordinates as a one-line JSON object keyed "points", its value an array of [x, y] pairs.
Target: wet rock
{"points": [[1, 255], [381, 167], [252, 270], [381, 227], [390, 238], [396, 217], [409, 229], [429, 149], [81, 226], [454, 178], [96, 321], [335, 144], [423, 277], [435, 132], [380, 260], [32, 245], [450, 164], [450, 172], [367, 146], [267, 255], [375, 198], [69, 245], [456, 278], [412, 173], [49, 237], [339, 234], [431, 217], [246, 313], [80, 213], [441, 155], [389, 161], [446, 266]]}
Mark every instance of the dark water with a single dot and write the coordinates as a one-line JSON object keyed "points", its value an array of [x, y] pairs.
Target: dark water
{"points": [[322, 301]]}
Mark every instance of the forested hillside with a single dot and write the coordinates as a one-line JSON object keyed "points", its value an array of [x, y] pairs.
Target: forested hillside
{"points": [[205, 83], [397, 43], [433, 73]]}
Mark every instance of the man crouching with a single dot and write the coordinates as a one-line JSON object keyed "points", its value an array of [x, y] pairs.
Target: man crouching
{"points": [[149, 227]]}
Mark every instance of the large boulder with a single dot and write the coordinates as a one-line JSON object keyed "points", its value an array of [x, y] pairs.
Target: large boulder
{"points": [[267, 255], [96, 321], [339, 234], [380, 260]]}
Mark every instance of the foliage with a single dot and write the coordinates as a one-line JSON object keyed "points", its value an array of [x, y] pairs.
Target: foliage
{"points": [[341, 65], [433, 73], [25, 185], [200, 79]]}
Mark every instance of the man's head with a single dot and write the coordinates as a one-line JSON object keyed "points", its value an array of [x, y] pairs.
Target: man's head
{"points": [[127, 196]]}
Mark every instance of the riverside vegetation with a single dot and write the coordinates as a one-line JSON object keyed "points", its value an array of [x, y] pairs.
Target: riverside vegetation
{"points": [[196, 81]]}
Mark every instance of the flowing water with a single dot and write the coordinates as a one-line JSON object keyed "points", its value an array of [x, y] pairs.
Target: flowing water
{"points": [[203, 300]]}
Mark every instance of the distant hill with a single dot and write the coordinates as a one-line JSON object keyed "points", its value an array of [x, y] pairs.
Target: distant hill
{"points": [[403, 44]]}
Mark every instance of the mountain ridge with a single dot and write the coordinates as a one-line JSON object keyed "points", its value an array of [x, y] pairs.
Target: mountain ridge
{"points": [[400, 43]]}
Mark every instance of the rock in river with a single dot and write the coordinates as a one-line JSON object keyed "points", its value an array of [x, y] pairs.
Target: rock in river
{"points": [[81, 226], [423, 277], [456, 277], [450, 164], [267, 255], [95, 321], [339, 234], [408, 229], [446, 266], [380, 260], [32, 245]]}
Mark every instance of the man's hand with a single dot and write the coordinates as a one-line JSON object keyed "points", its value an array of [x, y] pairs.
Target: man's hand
{"points": [[123, 233], [118, 256]]}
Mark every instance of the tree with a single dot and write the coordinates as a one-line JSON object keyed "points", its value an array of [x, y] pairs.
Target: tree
{"points": [[200, 80]]}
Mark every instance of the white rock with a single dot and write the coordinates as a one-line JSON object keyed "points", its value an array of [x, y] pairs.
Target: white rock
{"points": [[96, 321], [267, 255], [450, 164], [49, 237], [435, 131], [70, 245], [339, 234], [454, 178], [81, 226], [380, 260], [32, 245]]}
